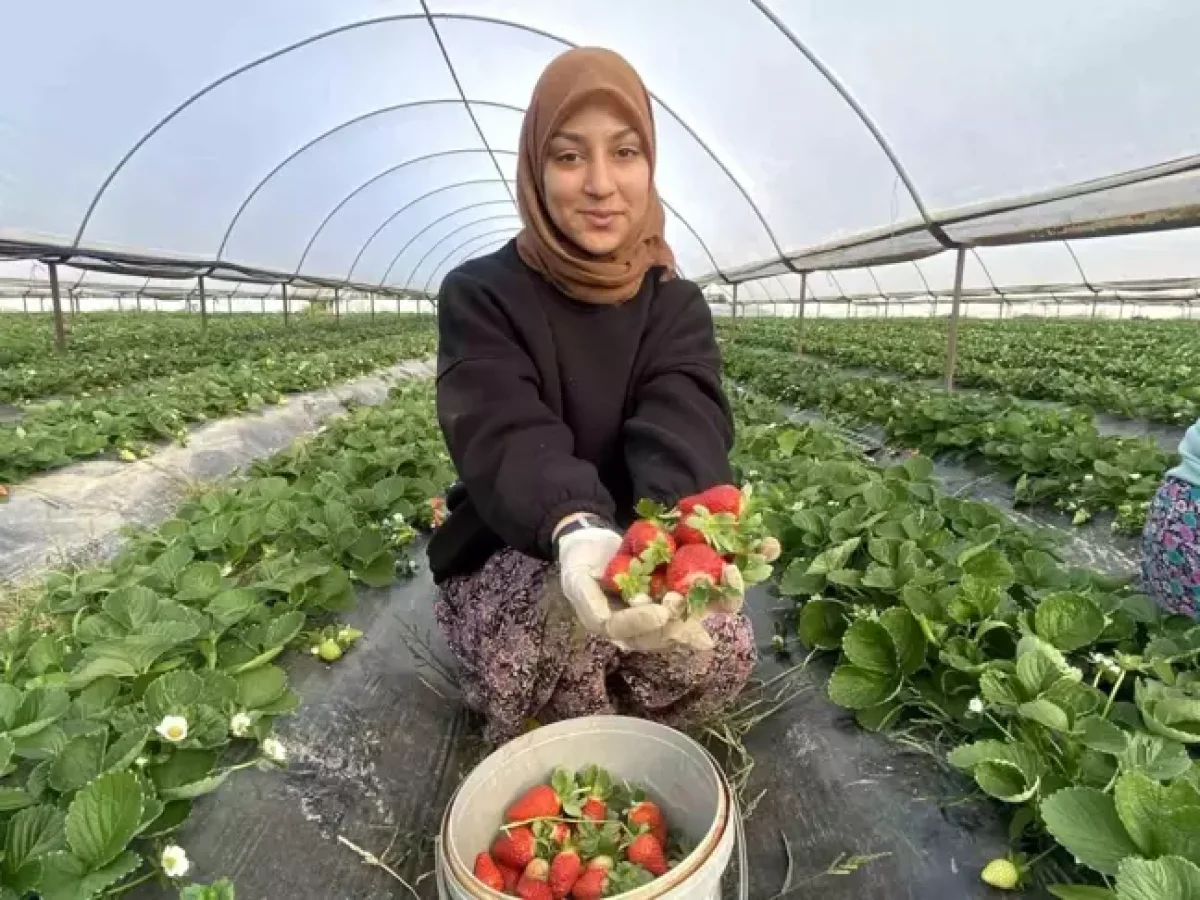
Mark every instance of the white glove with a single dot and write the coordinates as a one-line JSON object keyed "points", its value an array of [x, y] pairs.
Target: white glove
{"points": [[583, 556]]}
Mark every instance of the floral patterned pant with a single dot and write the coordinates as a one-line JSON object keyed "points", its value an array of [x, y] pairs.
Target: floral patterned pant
{"points": [[1171, 548], [522, 657]]}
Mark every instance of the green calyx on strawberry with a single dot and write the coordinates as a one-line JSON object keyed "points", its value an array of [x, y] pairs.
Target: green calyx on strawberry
{"points": [[646, 540], [698, 573], [628, 576], [585, 799]]}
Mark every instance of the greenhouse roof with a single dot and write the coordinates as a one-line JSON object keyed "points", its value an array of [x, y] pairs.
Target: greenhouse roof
{"points": [[371, 144]]}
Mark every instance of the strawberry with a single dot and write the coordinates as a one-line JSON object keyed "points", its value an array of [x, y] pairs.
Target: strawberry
{"points": [[591, 884], [515, 847], [533, 884], [649, 815], [561, 833], [539, 802], [564, 872], [617, 566], [658, 583], [647, 851], [770, 548], [685, 535], [692, 566], [647, 541], [487, 871], [595, 809], [724, 498], [511, 877]]}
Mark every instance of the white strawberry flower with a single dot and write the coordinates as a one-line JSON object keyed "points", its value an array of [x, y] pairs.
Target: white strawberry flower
{"points": [[240, 724], [274, 750], [976, 706], [173, 728], [141, 762], [175, 862]]}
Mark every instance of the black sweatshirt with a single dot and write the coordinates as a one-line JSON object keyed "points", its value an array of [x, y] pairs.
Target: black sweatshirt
{"points": [[551, 406]]}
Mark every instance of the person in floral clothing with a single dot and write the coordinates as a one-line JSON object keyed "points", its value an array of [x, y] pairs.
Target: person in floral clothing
{"points": [[1171, 542]]}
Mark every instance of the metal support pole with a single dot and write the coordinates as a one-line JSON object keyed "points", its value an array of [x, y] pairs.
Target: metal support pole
{"points": [[25, 302], [285, 303], [397, 304], [120, 305], [203, 305], [337, 305], [229, 303], [803, 302], [372, 306], [41, 304], [60, 328], [952, 333], [848, 309], [156, 304], [733, 304], [262, 303], [137, 298]]}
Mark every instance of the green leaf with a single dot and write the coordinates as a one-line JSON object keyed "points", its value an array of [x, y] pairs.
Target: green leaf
{"points": [[1168, 712], [104, 817], [989, 565], [1068, 621], [834, 558], [10, 702], [857, 688], [379, 571], [184, 767], [171, 563], [39, 708], [132, 607], [31, 833], [796, 582], [1045, 712], [261, 687], [6, 752], [81, 760], [919, 468], [1169, 878], [230, 607], [218, 890], [1139, 802], [1160, 758], [199, 582], [1085, 821], [868, 645], [66, 877], [171, 694], [195, 788], [907, 638], [44, 654], [1040, 666], [174, 814], [1098, 734], [13, 799], [1005, 781], [1081, 892], [284, 629], [126, 750]]}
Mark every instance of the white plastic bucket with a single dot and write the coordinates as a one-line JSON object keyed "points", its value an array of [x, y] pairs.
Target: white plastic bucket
{"points": [[676, 772]]}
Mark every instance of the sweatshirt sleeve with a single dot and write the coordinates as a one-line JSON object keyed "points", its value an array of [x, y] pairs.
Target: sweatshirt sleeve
{"points": [[512, 452], [678, 439]]}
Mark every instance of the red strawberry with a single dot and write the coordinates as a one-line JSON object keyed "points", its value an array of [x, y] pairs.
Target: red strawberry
{"points": [[692, 565], [564, 872], [648, 814], [646, 537], [591, 884], [511, 877], [685, 535], [618, 565], [533, 884], [724, 498], [539, 802], [658, 583], [487, 871], [595, 809], [515, 847], [561, 833], [646, 851]]}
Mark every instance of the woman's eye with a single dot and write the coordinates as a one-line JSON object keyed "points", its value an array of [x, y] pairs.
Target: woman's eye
{"points": [[568, 158], [628, 152]]}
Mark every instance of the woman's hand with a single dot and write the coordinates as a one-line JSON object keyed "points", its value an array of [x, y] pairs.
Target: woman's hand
{"points": [[583, 555]]}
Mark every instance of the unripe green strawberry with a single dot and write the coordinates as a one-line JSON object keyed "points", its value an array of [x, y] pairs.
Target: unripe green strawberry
{"points": [[1002, 874], [330, 650]]}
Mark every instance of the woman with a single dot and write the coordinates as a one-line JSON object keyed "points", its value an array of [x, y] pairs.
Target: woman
{"points": [[576, 375], [1171, 543]]}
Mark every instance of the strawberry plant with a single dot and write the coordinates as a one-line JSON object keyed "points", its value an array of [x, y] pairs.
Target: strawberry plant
{"points": [[1063, 694], [157, 677], [1051, 456], [125, 420]]}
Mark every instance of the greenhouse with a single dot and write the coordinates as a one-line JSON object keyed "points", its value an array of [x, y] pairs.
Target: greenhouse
{"points": [[952, 257]]}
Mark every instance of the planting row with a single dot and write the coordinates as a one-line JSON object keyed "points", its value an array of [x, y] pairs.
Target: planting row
{"points": [[1148, 370], [122, 421], [109, 350], [157, 679], [1064, 695], [1052, 456]]}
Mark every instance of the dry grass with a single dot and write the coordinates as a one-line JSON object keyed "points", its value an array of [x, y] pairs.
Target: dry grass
{"points": [[17, 600]]}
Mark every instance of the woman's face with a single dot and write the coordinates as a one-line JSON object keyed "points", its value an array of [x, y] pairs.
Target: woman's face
{"points": [[597, 179]]}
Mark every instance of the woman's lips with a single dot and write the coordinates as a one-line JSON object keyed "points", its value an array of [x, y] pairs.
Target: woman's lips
{"points": [[599, 218]]}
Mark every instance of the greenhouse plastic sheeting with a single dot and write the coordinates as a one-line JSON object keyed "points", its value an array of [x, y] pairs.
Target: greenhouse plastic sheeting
{"points": [[380, 742], [374, 142]]}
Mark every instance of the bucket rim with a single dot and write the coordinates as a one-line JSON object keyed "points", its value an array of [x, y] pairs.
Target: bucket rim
{"points": [[675, 878]]}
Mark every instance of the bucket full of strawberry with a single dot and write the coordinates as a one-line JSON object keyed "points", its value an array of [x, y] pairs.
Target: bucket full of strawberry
{"points": [[599, 806], [696, 556]]}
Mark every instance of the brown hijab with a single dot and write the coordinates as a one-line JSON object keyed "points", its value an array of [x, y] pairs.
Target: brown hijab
{"points": [[568, 82]]}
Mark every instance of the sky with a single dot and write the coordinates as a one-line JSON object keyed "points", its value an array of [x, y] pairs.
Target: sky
{"points": [[351, 155]]}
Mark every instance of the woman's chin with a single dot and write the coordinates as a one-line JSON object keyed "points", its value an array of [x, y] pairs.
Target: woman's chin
{"points": [[598, 242]]}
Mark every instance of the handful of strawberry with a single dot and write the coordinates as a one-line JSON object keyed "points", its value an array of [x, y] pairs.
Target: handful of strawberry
{"points": [[579, 836], [697, 556]]}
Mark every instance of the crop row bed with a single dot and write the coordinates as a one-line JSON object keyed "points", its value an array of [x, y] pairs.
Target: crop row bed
{"points": [[1052, 456]]}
